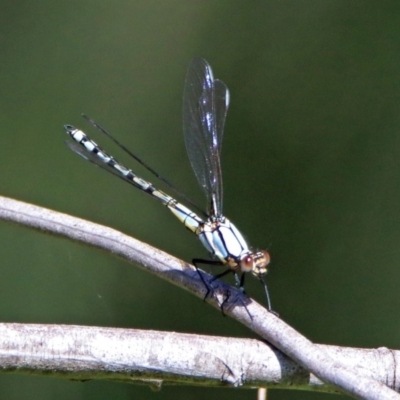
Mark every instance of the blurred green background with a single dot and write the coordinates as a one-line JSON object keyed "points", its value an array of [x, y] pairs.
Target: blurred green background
{"points": [[311, 163]]}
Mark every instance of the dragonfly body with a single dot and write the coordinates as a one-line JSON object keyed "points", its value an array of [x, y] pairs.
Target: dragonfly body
{"points": [[206, 102], [220, 237]]}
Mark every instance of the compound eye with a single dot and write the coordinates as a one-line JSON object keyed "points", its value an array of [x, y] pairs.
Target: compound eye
{"points": [[247, 264], [267, 257]]}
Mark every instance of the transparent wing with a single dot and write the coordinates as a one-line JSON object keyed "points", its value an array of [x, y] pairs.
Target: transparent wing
{"points": [[205, 104], [139, 160]]}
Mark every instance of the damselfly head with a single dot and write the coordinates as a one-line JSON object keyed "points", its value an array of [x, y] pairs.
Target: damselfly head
{"points": [[256, 263]]}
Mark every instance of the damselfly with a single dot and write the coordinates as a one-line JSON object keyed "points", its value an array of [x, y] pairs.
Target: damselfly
{"points": [[205, 105]]}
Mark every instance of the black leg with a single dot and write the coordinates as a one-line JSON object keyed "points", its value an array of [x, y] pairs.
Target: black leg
{"points": [[226, 299], [196, 261], [241, 284], [215, 277], [267, 296]]}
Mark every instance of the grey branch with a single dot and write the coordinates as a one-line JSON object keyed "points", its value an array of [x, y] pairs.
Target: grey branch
{"points": [[160, 358], [353, 380]]}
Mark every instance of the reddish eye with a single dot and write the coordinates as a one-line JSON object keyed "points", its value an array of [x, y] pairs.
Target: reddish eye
{"points": [[246, 264]]}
